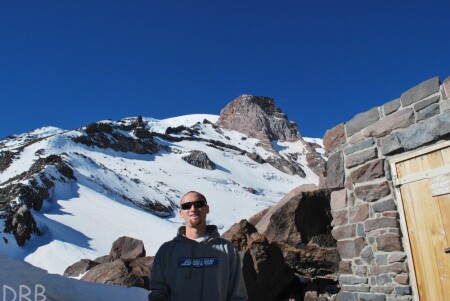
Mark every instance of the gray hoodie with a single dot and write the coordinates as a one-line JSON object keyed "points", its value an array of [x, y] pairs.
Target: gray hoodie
{"points": [[185, 270]]}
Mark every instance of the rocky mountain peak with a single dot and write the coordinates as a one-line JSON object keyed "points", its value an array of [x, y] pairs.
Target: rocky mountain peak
{"points": [[258, 117]]}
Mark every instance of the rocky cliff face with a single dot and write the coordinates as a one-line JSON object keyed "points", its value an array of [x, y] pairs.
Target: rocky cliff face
{"points": [[258, 117]]}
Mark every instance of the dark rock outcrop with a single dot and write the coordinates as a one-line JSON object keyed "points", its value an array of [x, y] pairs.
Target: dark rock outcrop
{"points": [[126, 265], [266, 274], [258, 117], [199, 159]]}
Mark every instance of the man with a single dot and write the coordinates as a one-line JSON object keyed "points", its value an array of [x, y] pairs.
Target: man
{"points": [[197, 264]]}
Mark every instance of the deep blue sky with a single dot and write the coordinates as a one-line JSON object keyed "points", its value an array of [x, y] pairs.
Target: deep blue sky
{"points": [[69, 63]]}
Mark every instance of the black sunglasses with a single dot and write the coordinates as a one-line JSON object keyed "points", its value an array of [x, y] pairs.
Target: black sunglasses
{"points": [[197, 204]]}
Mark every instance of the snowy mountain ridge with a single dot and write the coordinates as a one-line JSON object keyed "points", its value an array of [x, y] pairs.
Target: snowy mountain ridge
{"points": [[84, 188]]}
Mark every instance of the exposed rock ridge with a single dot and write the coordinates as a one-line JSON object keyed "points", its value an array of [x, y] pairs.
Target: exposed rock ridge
{"points": [[257, 117]]}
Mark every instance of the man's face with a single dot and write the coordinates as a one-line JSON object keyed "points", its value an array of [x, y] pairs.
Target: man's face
{"points": [[194, 217]]}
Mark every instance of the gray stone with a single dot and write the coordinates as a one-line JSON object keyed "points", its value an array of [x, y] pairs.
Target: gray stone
{"points": [[352, 279], [351, 248], [347, 296], [359, 146], [428, 112], [381, 222], [387, 170], [384, 278], [362, 120], [360, 270], [385, 205], [356, 138], [199, 159], [371, 297], [358, 158], [446, 87], [335, 171], [398, 120], [420, 91], [369, 171], [445, 105], [391, 144], [381, 259], [382, 289], [356, 288], [425, 132], [391, 106], [367, 254], [426, 102], [360, 229], [403, 290], [373, 192]]}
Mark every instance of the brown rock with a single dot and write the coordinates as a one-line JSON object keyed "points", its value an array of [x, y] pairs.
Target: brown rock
{"points": [[361, 157], [351, 248], [79, 268], [361, 121], [344, 232], [131, 272], [334, 138], [127, 248], [446, 86], [258, 117], [397, 120], [258, 216], [389, 242], [382, 222], [402, 279], [368, 172], [358, 213], [373, 192], [335, 171], [345, 267], [340, 217], [338, 199], [396, 267]]}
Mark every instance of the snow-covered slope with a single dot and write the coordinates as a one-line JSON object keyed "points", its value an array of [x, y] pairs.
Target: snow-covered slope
{"points": [[123, 193]]}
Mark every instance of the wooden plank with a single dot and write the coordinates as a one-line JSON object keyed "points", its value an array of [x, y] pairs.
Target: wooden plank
{"points": [[446, 155], [444, 205]]}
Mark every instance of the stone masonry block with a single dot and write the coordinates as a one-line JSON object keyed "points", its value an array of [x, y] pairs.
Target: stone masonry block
{"points": [[359, 158], [358, 213], [426, 102], [363, 144], [335, 171], [351, 279], [389, 242], [344, 232], [347, 296], [338, 199], [362, 120], [381, 222], [391, 106], [428, 112], [340, 217], [391, 144], [373, 192], [372, 297], [369, 171], [385, 205], [445, 105], [446, 86], [396, 267], [397, 120], [351, 248], [420, 91], [334, 138]]}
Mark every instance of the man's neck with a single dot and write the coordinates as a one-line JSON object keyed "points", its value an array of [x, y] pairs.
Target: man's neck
{"points": [[194, 233]]}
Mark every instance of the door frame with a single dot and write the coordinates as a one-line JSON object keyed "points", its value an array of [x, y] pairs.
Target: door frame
{"points": [[403, 226]]}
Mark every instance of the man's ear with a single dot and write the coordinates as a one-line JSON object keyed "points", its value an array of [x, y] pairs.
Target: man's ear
{"points": [[207, 208]]}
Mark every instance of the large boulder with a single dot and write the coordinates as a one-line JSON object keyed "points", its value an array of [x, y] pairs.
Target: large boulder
{"points": [[300, 224], [126, 265], [199, 159], [266, 274]]}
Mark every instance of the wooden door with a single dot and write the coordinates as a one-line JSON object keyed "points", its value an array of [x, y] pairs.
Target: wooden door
{"points": [[424, 183]]}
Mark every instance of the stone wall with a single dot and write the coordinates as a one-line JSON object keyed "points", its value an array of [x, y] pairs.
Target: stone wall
{"points": [[365, 217]]}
